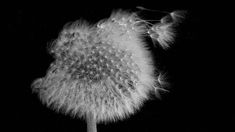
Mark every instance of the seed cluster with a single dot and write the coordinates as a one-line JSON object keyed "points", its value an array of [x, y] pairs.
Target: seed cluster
{"points": [[105, 61], [104, 69], [100, 74]]}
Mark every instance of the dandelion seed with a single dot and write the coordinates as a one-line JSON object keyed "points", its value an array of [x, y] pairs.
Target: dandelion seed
{"points": [[164, 31], [109, 71]]}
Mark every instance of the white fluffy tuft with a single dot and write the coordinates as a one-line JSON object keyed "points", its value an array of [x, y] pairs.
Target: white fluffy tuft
{"points": [[105, 69]]}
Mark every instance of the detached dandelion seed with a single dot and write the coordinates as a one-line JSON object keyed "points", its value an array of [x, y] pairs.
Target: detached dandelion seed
{"points": [[104, 72], [164, 31]]}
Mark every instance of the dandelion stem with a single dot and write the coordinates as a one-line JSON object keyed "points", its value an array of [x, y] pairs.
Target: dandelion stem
{"points": [[91, 123]]}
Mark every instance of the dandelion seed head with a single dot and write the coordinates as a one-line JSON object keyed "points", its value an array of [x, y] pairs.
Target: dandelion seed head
{"points": [[105, 69]]}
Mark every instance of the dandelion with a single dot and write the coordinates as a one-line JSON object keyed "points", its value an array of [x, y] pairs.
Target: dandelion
{"points": [[104, 72]]}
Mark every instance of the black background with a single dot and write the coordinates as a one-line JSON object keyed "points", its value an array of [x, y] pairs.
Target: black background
{"points": [[194, 103]]}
